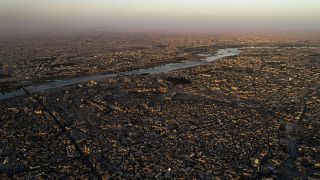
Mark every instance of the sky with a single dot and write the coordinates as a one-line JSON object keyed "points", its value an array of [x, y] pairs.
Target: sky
{"points": [[176, 15]]}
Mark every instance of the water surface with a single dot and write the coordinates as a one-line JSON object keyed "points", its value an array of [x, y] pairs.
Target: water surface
{"points": [[154, 70]]}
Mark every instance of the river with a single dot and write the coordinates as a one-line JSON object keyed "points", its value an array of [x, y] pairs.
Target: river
{"points": [[222, 53]]}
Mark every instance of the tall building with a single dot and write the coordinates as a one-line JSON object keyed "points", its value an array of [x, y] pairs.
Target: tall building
{"points": [[11, 71], [1, 68]]}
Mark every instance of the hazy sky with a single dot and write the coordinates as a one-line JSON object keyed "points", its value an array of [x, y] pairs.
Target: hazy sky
{"points": [[193, 15]]}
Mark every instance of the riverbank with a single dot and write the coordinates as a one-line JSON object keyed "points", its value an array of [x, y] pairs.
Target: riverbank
{"points": [[152, 70]]}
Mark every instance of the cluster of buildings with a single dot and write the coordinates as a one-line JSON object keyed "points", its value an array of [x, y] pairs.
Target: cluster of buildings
{"points": [[41, 59], [251, 116]]}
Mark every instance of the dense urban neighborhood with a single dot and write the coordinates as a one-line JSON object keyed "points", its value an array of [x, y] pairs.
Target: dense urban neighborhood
{"points": [[250, 115]]}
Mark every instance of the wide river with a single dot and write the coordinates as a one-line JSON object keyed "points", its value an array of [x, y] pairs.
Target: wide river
{"points": [[222, 53]]}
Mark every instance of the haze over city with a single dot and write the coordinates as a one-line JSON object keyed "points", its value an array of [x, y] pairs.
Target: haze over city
{"points": [[160, 89], [176, 15]]}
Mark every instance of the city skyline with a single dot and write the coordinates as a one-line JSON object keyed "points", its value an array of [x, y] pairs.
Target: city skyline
{"points": [[178, 15]]}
